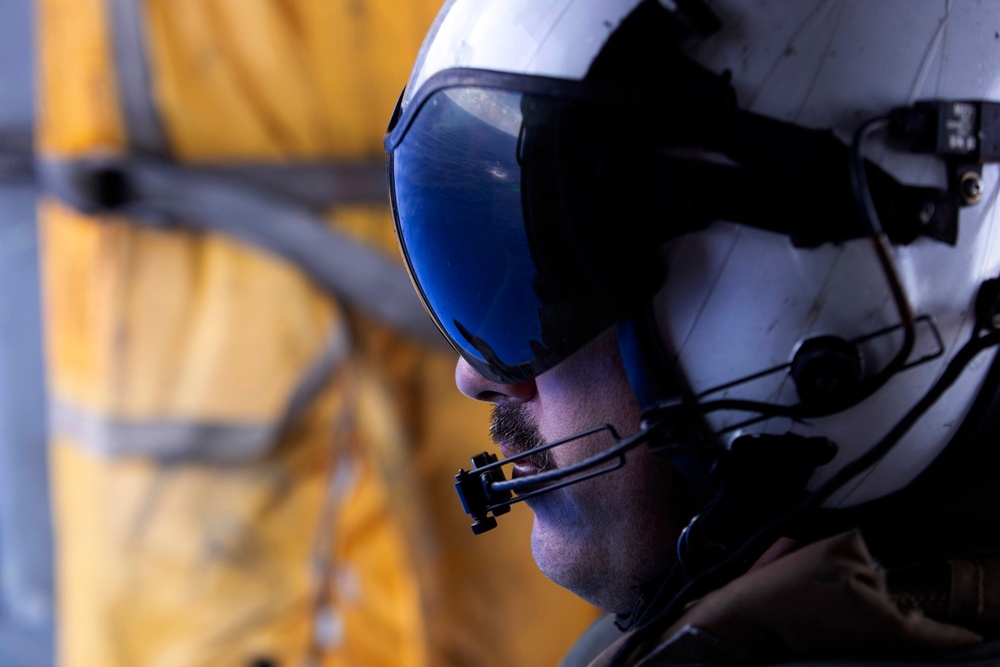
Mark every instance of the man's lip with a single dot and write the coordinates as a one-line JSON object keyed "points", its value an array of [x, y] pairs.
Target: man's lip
{"points": [[524, 469]]}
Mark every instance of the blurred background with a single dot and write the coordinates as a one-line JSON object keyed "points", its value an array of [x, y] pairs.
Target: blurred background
{"points": [[26, 588], [228, 434]]}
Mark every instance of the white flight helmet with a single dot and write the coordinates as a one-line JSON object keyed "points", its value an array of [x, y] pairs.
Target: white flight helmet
{"points": [[740, 301], [798, 291]]}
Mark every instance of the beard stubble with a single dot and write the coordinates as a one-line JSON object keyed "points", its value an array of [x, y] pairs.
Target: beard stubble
{"points": [[511, 424]]}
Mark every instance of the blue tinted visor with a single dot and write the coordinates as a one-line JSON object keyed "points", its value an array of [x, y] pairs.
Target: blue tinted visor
{"points": [[508, 216]]}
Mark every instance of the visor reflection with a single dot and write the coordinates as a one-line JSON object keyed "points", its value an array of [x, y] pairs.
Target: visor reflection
{"points": [[457, 188], [503, 200]]}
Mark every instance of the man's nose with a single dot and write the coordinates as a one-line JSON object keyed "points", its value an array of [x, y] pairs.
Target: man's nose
{"points": [[474, 385]]}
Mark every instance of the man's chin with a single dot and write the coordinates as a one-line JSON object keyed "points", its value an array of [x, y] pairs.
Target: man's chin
{"points": [[565, 562], [548, 551], [554, 540]]}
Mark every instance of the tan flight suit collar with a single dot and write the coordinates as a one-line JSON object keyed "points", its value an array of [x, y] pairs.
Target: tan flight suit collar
{"points": [[824, 600]]}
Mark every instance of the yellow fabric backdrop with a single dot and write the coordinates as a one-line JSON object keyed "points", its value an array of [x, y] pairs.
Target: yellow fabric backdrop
{"points": [[343, 544]]}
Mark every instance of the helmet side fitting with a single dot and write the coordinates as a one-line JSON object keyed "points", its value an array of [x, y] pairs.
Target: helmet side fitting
{"points": [[692, 339]]}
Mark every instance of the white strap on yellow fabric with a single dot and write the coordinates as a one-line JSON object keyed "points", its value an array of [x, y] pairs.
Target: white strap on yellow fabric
{"points": [[190, 440], [275, 207], [142, 122], [165, 194], [165, 441], [279, 208]]}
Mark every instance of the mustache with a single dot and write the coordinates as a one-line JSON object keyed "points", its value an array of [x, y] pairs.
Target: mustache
{"points": [[511, 424]]}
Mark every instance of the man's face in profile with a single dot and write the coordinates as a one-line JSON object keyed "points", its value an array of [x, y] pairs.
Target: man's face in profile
{"points": [[603, 537]]}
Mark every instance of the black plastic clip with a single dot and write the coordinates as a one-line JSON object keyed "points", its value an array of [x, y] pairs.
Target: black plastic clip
{"points": [[475, 490]]}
